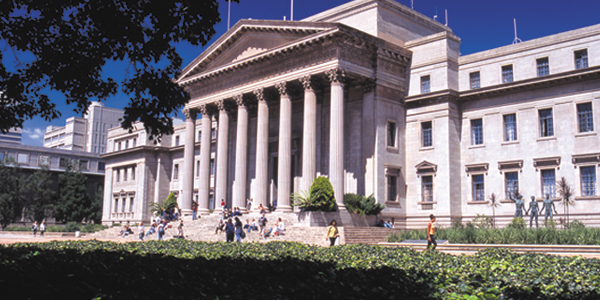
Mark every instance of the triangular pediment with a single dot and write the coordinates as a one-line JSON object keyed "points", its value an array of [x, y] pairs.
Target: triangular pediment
{"points": [[426, 167], [249, 38]]}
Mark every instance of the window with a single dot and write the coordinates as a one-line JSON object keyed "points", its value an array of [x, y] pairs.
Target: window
{"points": [[391, 134], [133, 173], [130, 204], [546, 126], [213, 133], [510, 127], [197, 168], [199, 135], [507, 74], [543, 67], [23, 158], [125, 174], [475, 81], [176, 172], [63, 162], [427, 188], [123, 204], [134, 142], [476, 132], [212, 167], [584, 117], [512, 184], [118, 175], [581, 59], [44, 160], [391, 187], [425, 84], [119, 147], [101, 166], [127, 144], [83, 165], [548, 183], [176, 140], [426, 134], [478, 188], [588, 180], [116, 205]]}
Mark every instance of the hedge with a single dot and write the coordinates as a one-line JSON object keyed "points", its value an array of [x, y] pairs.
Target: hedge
{"points": [[180, 269]]}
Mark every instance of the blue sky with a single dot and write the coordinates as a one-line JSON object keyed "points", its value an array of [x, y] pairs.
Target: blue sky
{"points": [[481, 25]]}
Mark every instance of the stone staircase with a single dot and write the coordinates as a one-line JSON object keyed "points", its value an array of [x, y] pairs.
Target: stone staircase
{"points": [[367, 235]]}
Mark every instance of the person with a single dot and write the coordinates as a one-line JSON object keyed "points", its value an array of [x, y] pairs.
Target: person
{"points": [[239, 231], [34, 228], [519, 204], [388, 224], [380, 223], [220, 226], [548, 207], [194, 210], [533, 206], [261, 209], [151, 230], [262, 223], [180, 230], [280, 227], [431, 233], [161, 230], [248, 226], [125, 231], [141, 231], [254, 224], [229, 230], [237, 211], [332, 233], [176, 213], [249, 204], [223, 204], [42, 228]]}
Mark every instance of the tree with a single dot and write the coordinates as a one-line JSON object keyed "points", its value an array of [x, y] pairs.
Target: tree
{"points": [[566, 192], [95, 212], [64, 45], [494, 203], [12, 184], [73, 202], [168, 205], [41, 195], [305, 199], [324, 201]]}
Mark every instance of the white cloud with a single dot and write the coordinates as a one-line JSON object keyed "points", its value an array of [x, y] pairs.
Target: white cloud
{"points": [[34, 134], [177, 121]]}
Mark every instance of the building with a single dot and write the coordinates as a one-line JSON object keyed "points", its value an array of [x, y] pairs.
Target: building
{"points": [[14, 135], [377, 97], [87, 134]]}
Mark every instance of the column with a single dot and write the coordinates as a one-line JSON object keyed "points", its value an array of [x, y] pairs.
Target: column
{"points": [[222, 151], [284, 167], [368, 136], [205, 145], [185, 201], [309, 135], [336, 135], [108, 195], [241, 154], [262, 150]]}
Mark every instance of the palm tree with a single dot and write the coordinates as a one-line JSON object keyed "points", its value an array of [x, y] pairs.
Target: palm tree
{"points": [[566, 192], [167, 205], [494, 202], [305, 199]]}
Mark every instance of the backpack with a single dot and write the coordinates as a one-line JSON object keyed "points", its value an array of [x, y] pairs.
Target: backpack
{"points": [[262, 221]]}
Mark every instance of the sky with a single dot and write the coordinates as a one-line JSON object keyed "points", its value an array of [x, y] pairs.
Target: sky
{"points": [[481, 25]]}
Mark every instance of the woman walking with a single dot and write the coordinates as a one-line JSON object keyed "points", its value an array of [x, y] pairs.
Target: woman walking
{"points": [[332, 233], [431, 233], [229, 230], [238, 230]]}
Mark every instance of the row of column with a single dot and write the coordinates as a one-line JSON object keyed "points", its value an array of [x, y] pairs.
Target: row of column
{"points": [[309, 148]]}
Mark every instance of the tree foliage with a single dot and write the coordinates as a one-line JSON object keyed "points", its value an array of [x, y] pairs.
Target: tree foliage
{"points": [[168, 205], [12, 184], [40, 196], [362, 205], [73, 203], [566, 193], [64, 46], [305, 199], [325, 200]]}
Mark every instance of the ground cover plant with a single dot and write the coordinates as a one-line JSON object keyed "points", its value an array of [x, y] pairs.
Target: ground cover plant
{"points": [[180, 269], [515, 233]]}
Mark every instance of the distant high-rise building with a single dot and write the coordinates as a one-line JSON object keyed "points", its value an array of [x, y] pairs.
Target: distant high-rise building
{"points": [[84, 134], [13, 136]]}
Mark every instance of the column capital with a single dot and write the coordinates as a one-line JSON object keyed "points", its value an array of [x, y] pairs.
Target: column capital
{"points": [[204, 109], [282, 88], [307, 82], [336, 75], [190, 113], [260, 95], [222, 105], [239, 100], [369, 84]]}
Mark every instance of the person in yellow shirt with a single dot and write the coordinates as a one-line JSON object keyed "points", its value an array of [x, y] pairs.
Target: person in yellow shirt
{"points": [[431, 233], [332, 233]]}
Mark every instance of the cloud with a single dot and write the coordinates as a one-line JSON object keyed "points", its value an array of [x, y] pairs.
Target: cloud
{"points": [[34, 134]]}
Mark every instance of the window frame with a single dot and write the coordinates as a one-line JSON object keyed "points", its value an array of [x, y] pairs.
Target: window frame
{"points": [[424, 185], [175, 172], [475, 82], [25, 155], [474, 190], [429, 134], [507, 70], [391, 135], [474, 141], [588, 118], [508, 190], [41, 161], [546, 129], [584, 63], [542, 66], [585, 187], [425, 84], [507, 137], [553, 185]]}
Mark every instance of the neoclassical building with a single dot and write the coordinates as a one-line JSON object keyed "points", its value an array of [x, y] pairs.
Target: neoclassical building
{"points": [[376, 97]]}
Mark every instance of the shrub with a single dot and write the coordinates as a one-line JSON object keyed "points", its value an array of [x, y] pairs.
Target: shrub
{"points": [[456, 223], [575, 225], [325, 200], [517, 223], [17, 228], [90, 228], [306, 199], [482, 221], [362, 205], [550, 224], [72, 227], [54, 228]]}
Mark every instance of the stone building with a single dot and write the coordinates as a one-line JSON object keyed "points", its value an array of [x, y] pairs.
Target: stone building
{"points": [[376, 97]]}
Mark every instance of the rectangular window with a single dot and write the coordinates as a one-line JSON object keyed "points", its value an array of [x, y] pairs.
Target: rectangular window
{"points": [[119, 147], [197, 168], [116, 205], [134, 142], [127, 144], [62, 162], [475, 80], [426, 134], [23, 158], [117, 175], [123, 204], [175, 172], [125, 174], [588, 181], [512, 184], [477, 132], [83, 165], [507, 74], [546, 124], [131, 204], [133, 173], [478, 188], [427, 188], [177, 140], [510, 127], [391, 134], [543, 67], [199, 136], [581, 59], [391, 187], [548, 183], [212, 167], [44, 160], [425, 84], [213, 133], [585, 117], [101, 166]]}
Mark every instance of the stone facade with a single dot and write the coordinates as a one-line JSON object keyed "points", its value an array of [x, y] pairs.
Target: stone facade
{"points": [[376, 97]]}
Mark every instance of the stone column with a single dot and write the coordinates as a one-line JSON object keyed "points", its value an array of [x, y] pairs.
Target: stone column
{"points": [[262, 150], [241, 153], [309, 135], [108, 195], [336, 135], [284, 167], [205, 146], [368, 136], [222, 151], [185, 201]]}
